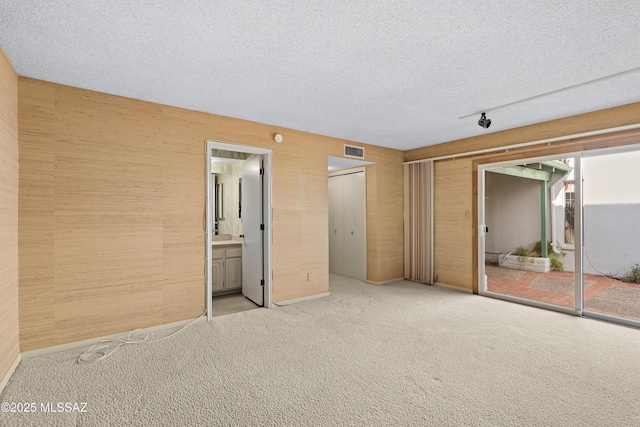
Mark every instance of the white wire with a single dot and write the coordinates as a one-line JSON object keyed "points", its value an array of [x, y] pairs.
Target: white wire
{"points": [[101, 346]]}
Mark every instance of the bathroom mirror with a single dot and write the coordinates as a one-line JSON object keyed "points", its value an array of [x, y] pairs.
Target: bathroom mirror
{"points": [[219, 206]]}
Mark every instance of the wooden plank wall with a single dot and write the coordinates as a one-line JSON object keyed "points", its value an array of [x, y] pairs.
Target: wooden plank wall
{"points": [[112, 211], [9, 342], [453, 218], [464, 175], [385, 218]]}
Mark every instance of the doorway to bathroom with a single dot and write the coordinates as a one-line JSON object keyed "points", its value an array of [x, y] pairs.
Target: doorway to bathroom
{"points": [[238, 227]]}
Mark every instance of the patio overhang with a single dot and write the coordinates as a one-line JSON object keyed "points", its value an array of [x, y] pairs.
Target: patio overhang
{"points": [[544, 172]]}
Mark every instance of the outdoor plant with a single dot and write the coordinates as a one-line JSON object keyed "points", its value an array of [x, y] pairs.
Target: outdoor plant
{"points": [[556, 264], [633, 276], [524, 254]]}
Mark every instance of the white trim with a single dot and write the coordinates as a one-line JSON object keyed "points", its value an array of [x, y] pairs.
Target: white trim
{"points": [[211, 144], [90, 341], [527, 144], [482, 282], [611, 319], [578, 254], [349, 171], [10, 371], [297, 300], [533, 303]]}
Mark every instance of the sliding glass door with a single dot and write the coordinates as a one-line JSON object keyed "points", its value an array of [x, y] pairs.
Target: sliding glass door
{"points": [[611, 189], [528, 247], [563, 233]]}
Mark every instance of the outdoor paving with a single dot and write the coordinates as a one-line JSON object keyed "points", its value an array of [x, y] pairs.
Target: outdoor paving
{"points": [[602, 294]]}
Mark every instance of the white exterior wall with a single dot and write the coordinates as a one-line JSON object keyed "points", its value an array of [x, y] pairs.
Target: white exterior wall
{"points": [[512, 213]]}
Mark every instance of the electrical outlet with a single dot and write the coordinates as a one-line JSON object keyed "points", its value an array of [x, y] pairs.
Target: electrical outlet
{"points": [[308, 277], [383, 265]]}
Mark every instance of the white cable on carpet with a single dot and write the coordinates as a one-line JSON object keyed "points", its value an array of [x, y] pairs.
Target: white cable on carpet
{"points": [[100, 346]]}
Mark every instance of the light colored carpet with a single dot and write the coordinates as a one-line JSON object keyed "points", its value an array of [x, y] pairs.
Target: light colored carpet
{"points": [[402, 354]]}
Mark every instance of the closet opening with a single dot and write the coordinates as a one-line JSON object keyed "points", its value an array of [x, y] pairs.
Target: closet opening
{"points": [[348, 218]]}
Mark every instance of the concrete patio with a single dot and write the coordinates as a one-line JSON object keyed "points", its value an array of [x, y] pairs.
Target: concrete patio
{"points": [[602, 294]]}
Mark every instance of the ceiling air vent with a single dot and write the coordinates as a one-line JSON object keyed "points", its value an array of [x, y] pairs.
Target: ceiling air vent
{"points": [[353, 152]]}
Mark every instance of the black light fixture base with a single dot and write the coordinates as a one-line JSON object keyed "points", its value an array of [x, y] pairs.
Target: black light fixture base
{"points": [[484, 122]]}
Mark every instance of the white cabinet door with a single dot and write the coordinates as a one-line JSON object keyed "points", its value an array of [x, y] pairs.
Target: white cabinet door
{"points": [[233, 273], [217, 283]]}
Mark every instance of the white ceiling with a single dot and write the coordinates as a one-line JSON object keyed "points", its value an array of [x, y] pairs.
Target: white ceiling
{"points": [[396, 73]]}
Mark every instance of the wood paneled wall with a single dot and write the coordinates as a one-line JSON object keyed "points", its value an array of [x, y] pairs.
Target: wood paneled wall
{"points": [[453, 218], [112, 211], [463, 172], [9, 342], [385, 216]]}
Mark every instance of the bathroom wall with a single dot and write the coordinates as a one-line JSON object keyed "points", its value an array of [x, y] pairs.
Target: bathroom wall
{"points": [[229, 176]]}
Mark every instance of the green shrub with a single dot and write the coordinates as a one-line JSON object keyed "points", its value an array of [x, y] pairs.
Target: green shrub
{"points": [[633, 276], [556, 264]]}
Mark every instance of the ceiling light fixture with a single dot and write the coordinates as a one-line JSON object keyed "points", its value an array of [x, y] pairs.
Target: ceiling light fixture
{"points": [[484, 122]]}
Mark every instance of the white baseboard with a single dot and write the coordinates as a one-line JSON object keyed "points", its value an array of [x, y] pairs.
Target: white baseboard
{"points": [[10, 372], [384, 282], [297, 300], [457, 288], [88, 342]]}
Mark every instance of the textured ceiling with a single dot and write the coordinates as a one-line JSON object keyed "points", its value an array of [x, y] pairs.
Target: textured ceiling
{"points": [[385, 72]]}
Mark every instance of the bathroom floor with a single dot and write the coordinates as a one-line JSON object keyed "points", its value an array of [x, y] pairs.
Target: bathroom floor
{"points": [[229, 304]]}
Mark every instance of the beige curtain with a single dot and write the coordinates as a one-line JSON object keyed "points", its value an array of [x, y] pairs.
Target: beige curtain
{"points": [[418, 219]]}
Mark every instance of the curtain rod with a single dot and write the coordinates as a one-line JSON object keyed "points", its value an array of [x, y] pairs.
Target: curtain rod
{"points": [[528, 144]]}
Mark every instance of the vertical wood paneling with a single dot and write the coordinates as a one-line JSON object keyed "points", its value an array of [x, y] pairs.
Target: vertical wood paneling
{"points": [[9, 330], [112, 211], [453, 200], [385, 216]]}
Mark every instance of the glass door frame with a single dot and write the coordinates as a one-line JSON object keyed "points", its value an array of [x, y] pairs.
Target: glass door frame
{"points": [[595, 153], [577, 310]]}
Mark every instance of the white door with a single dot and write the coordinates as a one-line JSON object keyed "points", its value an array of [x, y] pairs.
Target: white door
{"points": [[252, 243], [348, 255], [347, 225]]}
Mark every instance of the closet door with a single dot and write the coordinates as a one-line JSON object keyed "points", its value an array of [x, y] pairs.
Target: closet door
{"points": [[347, 226], [359, 202], [348, 255], [333, 183]]}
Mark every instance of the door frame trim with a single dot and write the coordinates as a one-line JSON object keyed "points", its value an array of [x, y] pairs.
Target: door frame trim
{"points": [[267, 154]]}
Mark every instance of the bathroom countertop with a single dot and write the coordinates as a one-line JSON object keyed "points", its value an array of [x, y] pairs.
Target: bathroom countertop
{"points": [[230, 242]]}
